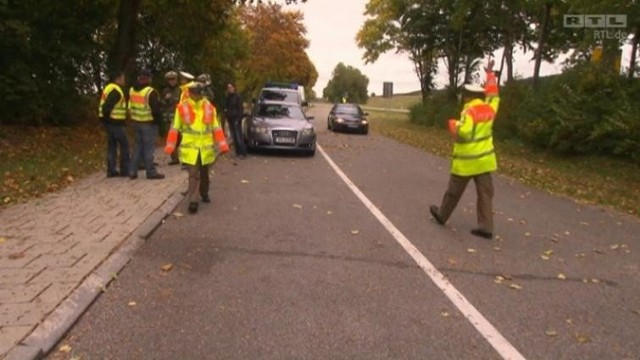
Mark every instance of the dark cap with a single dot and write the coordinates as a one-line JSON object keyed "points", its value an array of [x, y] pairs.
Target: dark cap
{"points": [[145, 73]]}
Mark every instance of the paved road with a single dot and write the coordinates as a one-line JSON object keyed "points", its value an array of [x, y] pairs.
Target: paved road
{"points": [[291, 261]]}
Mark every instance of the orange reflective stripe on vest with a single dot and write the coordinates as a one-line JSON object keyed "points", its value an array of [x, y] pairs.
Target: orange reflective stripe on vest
{"points": [[481, 113]]}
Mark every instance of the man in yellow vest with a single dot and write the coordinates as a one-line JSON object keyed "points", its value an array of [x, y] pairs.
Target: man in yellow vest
{"points": [[145, 109], [112, 112], [202, 139], [473, 154]]}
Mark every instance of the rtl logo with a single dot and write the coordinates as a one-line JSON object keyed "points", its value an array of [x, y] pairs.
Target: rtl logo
{"points": [[595, 21]]}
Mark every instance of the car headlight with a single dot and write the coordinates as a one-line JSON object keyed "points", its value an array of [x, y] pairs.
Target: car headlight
{"points": [[307, 131], [259, 130], [364, 122], [339, 120]]}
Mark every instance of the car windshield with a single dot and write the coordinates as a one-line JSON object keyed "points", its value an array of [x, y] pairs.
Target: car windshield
{"points": [[277, 111], [350, 110], [279, 95]]}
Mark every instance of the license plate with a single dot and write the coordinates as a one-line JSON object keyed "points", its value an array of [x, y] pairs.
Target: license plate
{"points": [[285, 140]]}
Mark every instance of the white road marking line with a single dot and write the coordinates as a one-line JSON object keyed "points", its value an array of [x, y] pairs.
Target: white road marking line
{"points": [[484, 327]]}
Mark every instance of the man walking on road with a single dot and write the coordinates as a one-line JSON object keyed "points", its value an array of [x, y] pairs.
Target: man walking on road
{"points": [[473, 154], [112, 112], [233, 112], [146, 112], [202, 138]]}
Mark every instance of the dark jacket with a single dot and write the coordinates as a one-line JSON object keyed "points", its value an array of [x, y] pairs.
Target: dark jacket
{"points": [[233, 109], [109, 103]]}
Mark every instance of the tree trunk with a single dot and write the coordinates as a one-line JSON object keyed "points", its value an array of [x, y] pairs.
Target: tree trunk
{"points": [[508, 57], [123, 51], [634, 50], [542, 38]]}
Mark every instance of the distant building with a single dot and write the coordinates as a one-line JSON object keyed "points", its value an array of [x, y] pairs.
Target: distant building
{"points": [[387, 89]]}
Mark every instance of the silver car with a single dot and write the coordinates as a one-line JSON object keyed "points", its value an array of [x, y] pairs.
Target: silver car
{"points": [[280, 125]]}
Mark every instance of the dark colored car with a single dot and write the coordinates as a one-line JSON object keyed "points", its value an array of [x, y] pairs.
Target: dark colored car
{"points": [[348, 117], [280, 125]]}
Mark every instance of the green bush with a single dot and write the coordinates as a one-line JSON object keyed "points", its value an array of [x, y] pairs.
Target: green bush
{"points": [[436, 111], [586, 110]]}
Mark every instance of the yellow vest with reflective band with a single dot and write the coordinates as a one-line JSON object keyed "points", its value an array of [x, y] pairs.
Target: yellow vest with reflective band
{"points": [[196, 121], [473, 151], [119, 111], [139, 108]]}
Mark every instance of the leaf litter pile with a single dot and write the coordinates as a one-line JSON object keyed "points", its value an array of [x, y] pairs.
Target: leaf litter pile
{"points": [[39, 160]]}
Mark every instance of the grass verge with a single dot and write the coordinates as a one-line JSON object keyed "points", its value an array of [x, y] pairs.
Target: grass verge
{"points": [[39, 160], [593, 180]]}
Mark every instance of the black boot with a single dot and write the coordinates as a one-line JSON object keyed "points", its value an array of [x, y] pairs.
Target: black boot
{"points": [[193, 207]]}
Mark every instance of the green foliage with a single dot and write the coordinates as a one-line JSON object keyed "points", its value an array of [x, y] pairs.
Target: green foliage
{"points": [[347, 82], [436, 110], [587, 110]]}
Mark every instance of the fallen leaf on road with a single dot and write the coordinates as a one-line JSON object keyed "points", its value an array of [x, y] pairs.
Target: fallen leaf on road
{"points": [[452, 261], [2, 239], [497, 248], [636, 311], [561, 276], [297, 206], [244, 181], [551, 333], [582, 338], [615, 247], [595, 281], [132, 303], [65, 348], [445, 314], [498, 280], [355, 232], [515, 286], [584, 223], [471, 250], [178, 214], [598, 251], [548, 252], [567, 233], [166, 267], [544, 257], [527, 234]]}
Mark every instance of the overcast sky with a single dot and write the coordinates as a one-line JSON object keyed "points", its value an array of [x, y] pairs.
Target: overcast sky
{"points": [[332, 26]]}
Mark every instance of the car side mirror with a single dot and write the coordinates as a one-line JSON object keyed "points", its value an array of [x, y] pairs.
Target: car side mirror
{"points": [[366, 114], [304, 103]]}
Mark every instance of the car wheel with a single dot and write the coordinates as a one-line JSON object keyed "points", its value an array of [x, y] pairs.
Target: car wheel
{"points": [[365, 131], [328, 125]]}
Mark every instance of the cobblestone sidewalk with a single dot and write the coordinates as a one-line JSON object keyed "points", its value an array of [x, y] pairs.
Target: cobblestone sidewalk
{"points": [[56, 253]]}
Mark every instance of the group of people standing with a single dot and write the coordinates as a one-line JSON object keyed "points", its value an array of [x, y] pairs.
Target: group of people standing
{"points": [[184, 111], [145, 109]]}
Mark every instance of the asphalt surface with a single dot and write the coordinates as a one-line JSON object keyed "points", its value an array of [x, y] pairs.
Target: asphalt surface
{"points": [[288, 263]]}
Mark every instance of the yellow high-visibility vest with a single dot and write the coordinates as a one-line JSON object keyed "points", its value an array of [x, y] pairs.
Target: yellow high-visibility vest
{"points": [[119, 111]]}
